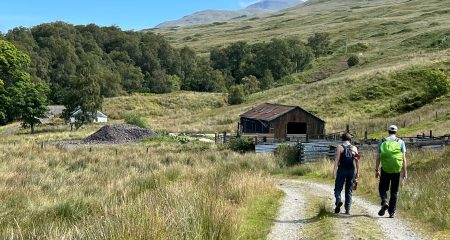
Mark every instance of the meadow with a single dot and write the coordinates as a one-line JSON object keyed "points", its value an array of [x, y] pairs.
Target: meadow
{"points": [[156, 190]]}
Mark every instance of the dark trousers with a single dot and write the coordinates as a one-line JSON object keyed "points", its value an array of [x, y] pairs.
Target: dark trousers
{"points": [[344, 176], [392, 179]]}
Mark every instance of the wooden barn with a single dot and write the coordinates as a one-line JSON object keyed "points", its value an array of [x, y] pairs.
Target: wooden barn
{"points": [[280, 122]]}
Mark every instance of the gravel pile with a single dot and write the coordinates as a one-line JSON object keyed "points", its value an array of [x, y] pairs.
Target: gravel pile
{"points": [[120, 133]]}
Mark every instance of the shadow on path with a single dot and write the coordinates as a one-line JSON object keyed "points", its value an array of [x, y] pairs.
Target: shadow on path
{"points": [[317, 218]]}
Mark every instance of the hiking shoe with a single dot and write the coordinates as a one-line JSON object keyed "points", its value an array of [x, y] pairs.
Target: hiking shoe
{"points": [[383, 209], [347, 212], [338, 207], [391, 215]]}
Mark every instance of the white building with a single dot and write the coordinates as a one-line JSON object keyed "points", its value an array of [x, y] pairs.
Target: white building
{"points": [[99, 118]]}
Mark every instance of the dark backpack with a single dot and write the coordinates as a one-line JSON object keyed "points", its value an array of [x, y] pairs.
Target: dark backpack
{"points": [[346, 159]]}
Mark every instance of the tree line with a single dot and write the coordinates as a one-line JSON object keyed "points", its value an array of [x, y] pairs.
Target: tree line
{"points": [[78, 66]]}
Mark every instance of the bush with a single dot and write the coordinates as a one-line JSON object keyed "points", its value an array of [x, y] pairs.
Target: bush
{"points": [[242, 145], [137, 120], [236, 95], [288, 155], [353, 60]]}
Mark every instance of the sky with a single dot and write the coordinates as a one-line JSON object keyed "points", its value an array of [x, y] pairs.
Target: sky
{"points": [[128, 15]]}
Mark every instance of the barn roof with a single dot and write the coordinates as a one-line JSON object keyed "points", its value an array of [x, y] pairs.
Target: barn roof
{"points": [[270, 111]]}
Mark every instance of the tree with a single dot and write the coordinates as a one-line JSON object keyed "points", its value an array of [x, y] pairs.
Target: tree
{"points": [[4, 99], [353, 60], [21, 98], [437, 82], [267, 80], [236, 95], [29, 102], [319, 43], [250, 84], [84, 93]]}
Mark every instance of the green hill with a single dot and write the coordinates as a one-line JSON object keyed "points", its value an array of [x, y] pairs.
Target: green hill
{"points": [[398, 43]]}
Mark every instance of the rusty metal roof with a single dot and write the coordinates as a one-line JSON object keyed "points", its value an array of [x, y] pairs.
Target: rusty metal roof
{"points": [[270, 111]]}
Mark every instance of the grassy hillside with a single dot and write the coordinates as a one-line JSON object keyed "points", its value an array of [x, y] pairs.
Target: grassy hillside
{"points": [[395, 39]]}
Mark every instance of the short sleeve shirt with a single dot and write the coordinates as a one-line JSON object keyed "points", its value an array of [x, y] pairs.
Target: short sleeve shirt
{"points": [[392, 138]]}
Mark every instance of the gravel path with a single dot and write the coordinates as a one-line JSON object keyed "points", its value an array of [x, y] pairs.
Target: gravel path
{"points": [[287, 225], [364, 223]]}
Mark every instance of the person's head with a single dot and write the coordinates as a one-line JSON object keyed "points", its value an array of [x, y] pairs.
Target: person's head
{"points": [[392, 129], [346, 137]]}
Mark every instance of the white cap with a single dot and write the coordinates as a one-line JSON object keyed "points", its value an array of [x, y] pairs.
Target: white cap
{"points": [[393, 128]]}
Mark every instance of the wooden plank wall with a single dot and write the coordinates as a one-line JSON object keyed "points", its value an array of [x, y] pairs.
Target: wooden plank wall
{"points": [[314, 125]]}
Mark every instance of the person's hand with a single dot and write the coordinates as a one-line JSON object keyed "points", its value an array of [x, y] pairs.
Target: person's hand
{"points": [[377, 174], [404, 176], [334, 174]]}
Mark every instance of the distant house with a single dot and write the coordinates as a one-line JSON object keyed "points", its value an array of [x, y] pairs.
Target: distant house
{"points": [[99, 117], [55, 111], [280, 121]]}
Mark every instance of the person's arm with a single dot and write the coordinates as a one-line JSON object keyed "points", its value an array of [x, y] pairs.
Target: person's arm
{"points": [[405, 168], [336, 160], [377, 166], [355, 151]]}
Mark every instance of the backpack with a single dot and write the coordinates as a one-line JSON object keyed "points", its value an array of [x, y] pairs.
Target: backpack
{"points": [[346, 159], [391, 156]]}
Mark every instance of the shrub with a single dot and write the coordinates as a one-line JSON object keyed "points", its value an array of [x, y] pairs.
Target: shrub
{"points": [[353, 60], [288, 155], [136, 119], [236, 95], [242, 145]]}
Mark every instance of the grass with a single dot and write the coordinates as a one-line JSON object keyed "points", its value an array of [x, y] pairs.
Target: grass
{"points": [[173, 191], [258, 215]]}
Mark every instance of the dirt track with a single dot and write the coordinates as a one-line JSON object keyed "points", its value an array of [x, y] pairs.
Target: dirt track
{"points": [[298, 219]]}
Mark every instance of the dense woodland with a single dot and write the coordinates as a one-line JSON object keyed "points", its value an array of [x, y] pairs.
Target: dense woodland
{"points": [[79, 65]]}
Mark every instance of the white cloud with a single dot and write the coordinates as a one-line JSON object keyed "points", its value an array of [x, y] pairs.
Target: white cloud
{"points": [[245, 4]]}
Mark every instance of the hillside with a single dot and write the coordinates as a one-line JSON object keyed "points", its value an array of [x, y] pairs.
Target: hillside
{"points": [[216, 16], [397, 41]]}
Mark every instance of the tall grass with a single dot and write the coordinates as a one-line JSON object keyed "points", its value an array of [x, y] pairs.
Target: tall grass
{"points": [[173, 191]]}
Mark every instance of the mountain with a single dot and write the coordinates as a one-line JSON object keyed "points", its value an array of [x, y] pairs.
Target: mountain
{"points": [[210, 16], [274, 5]]}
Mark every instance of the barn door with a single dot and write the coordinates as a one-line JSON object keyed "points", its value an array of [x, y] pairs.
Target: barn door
{"points": [[296, 128]]}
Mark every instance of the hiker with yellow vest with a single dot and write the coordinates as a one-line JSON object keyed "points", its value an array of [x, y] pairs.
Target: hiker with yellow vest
{"points": [[392, 156]]}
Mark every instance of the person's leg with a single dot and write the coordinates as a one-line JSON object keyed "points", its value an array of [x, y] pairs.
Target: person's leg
{"points": [[383, 188], [350, 174], [395, 182], [338, 184]]}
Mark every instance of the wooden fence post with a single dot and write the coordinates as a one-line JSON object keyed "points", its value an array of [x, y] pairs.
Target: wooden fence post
{"points": [[216, 137], [365, 135], [256, 140], [347, 128], [147, 149], [431, 133], [224, 137]]}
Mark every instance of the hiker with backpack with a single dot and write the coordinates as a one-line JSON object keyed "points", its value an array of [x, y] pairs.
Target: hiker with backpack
{"points": [[392, 156], [346, 171]]}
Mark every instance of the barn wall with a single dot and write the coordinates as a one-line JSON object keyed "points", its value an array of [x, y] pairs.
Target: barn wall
{"points": [[314, 125], [253, 126]]}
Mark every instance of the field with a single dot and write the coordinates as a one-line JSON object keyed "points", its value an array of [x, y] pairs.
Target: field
{"points": [[152, 190], [165, 189]]}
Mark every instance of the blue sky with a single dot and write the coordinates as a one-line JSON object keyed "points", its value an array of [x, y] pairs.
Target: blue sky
{"points": [[129, 15]]}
